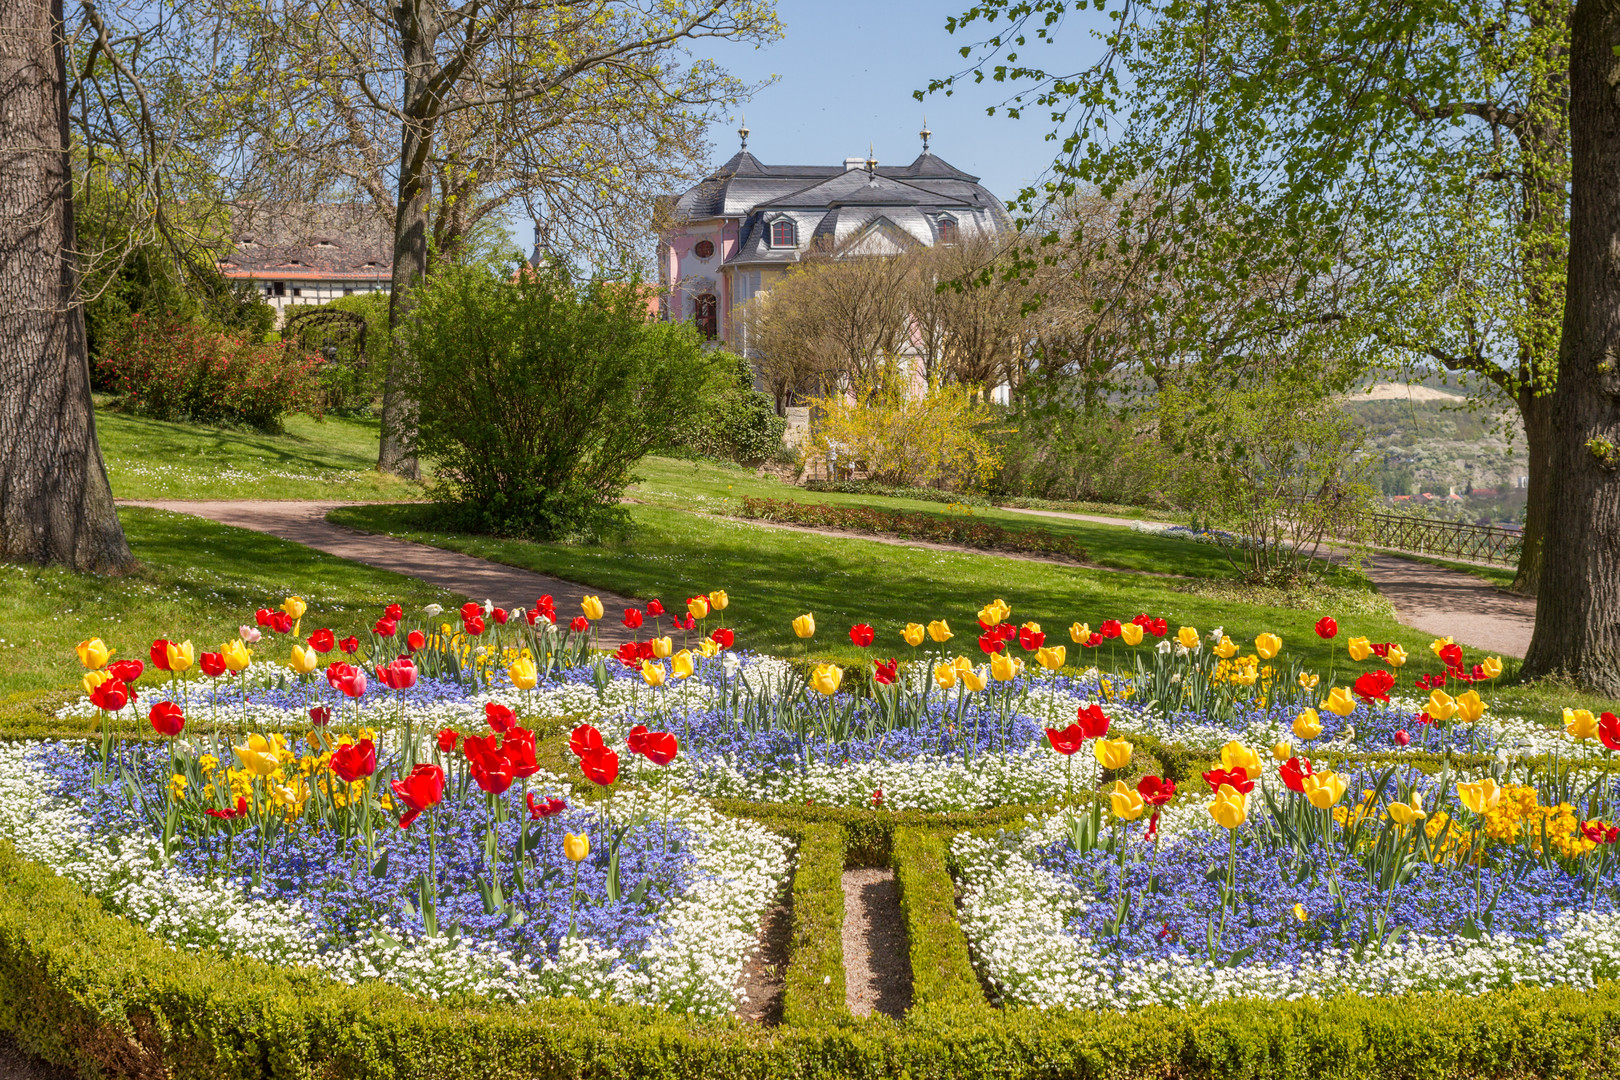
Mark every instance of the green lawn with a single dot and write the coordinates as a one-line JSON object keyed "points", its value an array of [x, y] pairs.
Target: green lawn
{"points": [[197, 580], [334, 458]]}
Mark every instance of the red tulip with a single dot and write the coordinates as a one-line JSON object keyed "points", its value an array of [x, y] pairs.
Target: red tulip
{"points": [[1452, 655], [500, 616], [1373, 685], [601, 767], [644, 651], [1109, 628], [499, 716], [1158, 628], [1030, 640], [472, 610], [585, 740], [230, 815], [517, 747], [262, 616], [1092, 721], [861, 634], [398, 675], [1381, 650], [990, 643], [474, 625], [580, 624], [722, 637], [632, 617], [1294, 771], [629, 655], [1600, 833], [350, 644], [689, 623], [448, 737], [110, 696], [393, 613], [320, 716], [1431, 682], [1142, 620], [1238, 778], [126, 671], [354, 761], [1609, 730], [885, 674], [347, 678], [415, 640], [281, 622], [160, 654], [322, 641], [1155, 791], [212, 664], [1402, 738], [661, 748], [637, 739], [539, 810], [385, 628], [493, 772], [1326, 627], [167, 719], [1094, 640], [423, 788], [655, 608], [1067, 741], [547, 606]]}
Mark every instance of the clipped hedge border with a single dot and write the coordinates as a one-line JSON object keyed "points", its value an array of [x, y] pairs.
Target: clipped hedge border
{"points": [[915, 525]]}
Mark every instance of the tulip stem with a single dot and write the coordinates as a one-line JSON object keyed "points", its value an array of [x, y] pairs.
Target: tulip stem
{"points": [[1231, 878]]}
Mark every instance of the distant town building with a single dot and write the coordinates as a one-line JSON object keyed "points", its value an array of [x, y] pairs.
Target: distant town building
{"points": [[309, 253], [728, 237]]}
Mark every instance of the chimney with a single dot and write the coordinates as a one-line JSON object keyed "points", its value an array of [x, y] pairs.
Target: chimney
{"points": [[854, 163]]}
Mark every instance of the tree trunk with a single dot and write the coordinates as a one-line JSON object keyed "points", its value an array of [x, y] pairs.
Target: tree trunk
{"points": [[56, 505], [1536, 412], [1578, 615]]}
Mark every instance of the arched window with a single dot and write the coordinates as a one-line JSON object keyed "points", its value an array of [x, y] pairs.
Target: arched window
{"points": [[706, 313], [782, 234], [947, 230]]}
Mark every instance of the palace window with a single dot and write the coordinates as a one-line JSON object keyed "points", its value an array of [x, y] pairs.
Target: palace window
{"points": [[947, 230], [706, 313], [782, 234], [703, 249]]}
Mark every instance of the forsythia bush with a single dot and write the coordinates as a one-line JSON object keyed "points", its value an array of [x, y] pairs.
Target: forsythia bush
{"points": [[934, 440]]}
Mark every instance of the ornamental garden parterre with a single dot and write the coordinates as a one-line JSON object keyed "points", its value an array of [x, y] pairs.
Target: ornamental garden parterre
{"points": [[484, 806]]}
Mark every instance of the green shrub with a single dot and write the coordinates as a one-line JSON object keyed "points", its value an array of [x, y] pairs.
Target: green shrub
{"points": [[1055, 451], [536, 396], [867, 487], [351, 380], [740, 424]]}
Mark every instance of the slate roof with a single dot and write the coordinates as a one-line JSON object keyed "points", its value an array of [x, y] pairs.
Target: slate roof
{"points": [[314, 241]]}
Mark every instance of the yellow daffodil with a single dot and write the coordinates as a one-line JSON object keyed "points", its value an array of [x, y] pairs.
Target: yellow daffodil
{"points": [[1440, 707], [1112, 753], [1396, 657], [93, 679], [1470, 706], [1360, 648], [826, 679], [1226, 649], [945, 676], [577, 846], [1340, 702], [94, 653], [1079, 632], [662, 647], [303, 660], [180, 656], [1438, 645], [1188, 637], [718, 600], [1492, 666], [1481, 796], [1126, 804], [258, 755], [523, 673], [652, 674], [1052, 657], [698, 607], [1283, 750], [294, 606], [1234, 755], [591, 607], [913, 634], [236, 654], [973, 679], [1580, 723], [1307, 681], [1406, 814], [680, 665], [1004, 667], [1324, 789], [939, 630], [1130, 634], [1268, 645], [1230, 808], [1308, 725], [805, 625]]}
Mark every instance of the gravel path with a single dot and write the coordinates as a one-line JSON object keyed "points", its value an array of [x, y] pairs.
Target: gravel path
{"points": [[877, 961], [1426, 597], [477, 579]]}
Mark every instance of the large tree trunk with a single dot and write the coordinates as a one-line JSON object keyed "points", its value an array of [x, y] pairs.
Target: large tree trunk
{"points": [[1578, 614], [56, 505], [1537, 414]]}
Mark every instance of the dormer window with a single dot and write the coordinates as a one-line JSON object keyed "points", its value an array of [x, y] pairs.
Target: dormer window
{"points": [[783, 234], [947, 230]]}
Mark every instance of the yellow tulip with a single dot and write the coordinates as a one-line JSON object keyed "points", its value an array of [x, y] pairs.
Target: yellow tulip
{"points": [[962, 664], [805, 625], [1004, 667], [1308, 725], [523, 673], [939, 630], [1230, 808], [994, 612], [1324, 789], [1079, 632], [1580, 723], [1396, 657], [974, 679], [180, 656], [913, 634], [1481, 796], [303, 660], [1188, 637], [1234, 755], [1440, 707], [1308, 681], [1282, 751], [1268, 645], [826, 678], [93, 679], [258, 755], [1438, 644], [709, 647], [1405, 814], [718, 600], [944, 676], [1130, 633], [236, 655], [1126, 804], [662, 647], [1032, 627], [1226, 649], [1360, 648], [680, 665], [294, 606], [1470, 706], [576, 846], [94, 653], [698, 607], [1052, 657], [591, 607], [1300, 913], [652, 674], [1340, 702], [1492, 666], [1112, 753]]}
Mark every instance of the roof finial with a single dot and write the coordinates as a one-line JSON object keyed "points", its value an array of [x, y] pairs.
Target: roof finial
{"points": [[871, 166], [925, 133], [742, 131]]}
